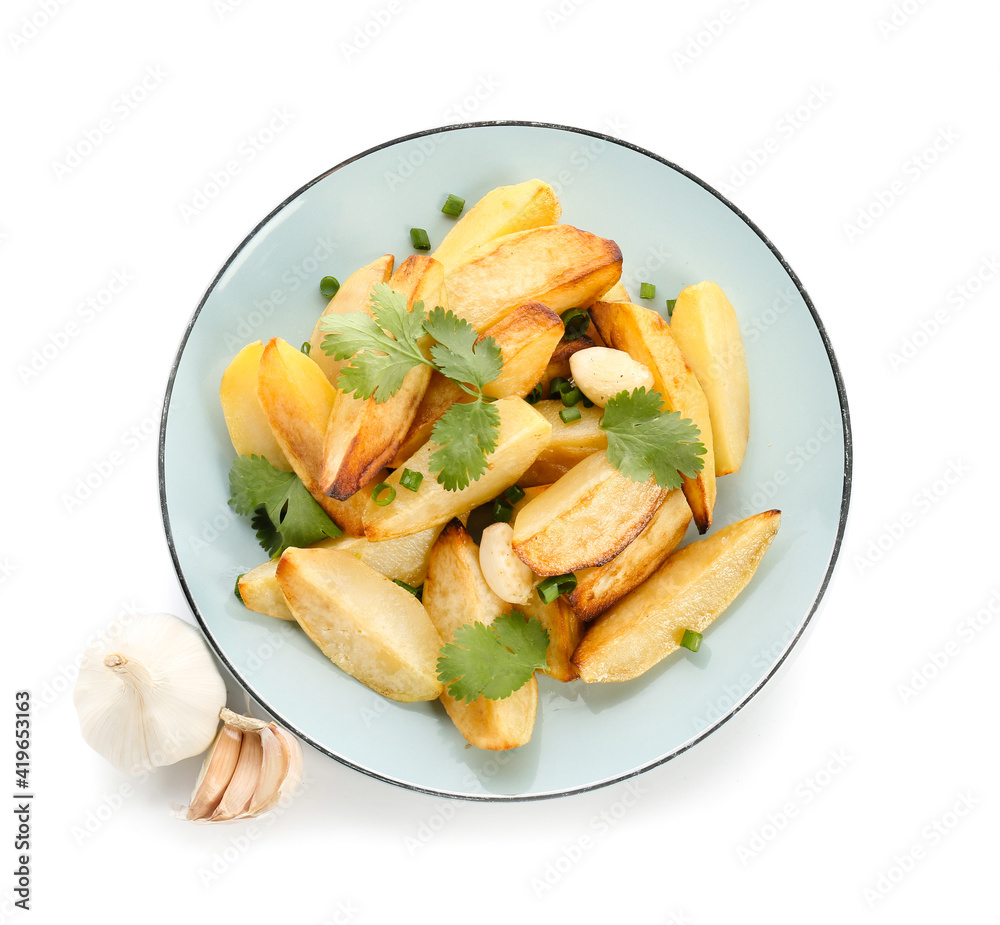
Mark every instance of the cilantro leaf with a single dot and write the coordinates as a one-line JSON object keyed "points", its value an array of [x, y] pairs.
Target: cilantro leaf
{"points": [[382, 347], [465, 434], [644, 442], [458, 353], [493, 661], [282, 511]]}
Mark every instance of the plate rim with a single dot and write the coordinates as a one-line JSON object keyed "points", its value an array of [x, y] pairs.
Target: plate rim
{"points": [[617, 778]]}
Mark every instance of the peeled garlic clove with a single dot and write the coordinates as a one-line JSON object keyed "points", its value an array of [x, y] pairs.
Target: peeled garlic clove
{"points": [[216, 773], [273, 771], [148, 693], [508, 577], [602, 372]]}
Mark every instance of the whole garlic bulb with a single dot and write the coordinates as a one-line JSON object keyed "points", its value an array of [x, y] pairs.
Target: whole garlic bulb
{"points": [[149, 693]]}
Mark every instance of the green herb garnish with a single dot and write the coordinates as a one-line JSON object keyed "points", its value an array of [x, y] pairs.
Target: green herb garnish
{"points": [[493, 661], [282, 510], [644, 443]]}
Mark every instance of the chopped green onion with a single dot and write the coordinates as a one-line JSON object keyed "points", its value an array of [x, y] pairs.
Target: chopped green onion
{"points": [[647, 291], [550, 588], [419, 239], [306, 347], [514, 494], [417, 592], [571, 396], [379, 489], [575, 321], [453, 205], [691, 640], [411, 480], [569, 415], [329, 285], [557, 385], [670, 306], [239, 596], [534, 396], [587, 403], [502, 511]]}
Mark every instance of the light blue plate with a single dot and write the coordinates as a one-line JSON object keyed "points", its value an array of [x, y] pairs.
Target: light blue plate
{"points": [[673, 230]]}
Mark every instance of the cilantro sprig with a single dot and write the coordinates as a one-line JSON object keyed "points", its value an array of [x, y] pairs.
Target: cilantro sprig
{"points": [[644, 443], [384, 346], [493, 661], [281, 509]]}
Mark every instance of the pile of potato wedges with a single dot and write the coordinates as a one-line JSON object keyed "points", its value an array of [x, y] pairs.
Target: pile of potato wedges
{"points": [[511, 270]]}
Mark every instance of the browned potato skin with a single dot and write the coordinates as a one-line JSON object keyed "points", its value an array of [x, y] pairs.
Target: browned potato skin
{"points": [[364, 623], [296, 398], [354, 295], [559, 361], [501, 211], [692, 587], [598, 588], [558, 265], [526, 338], [455, 593], [363, 435], [586, 518], [646, 337]]}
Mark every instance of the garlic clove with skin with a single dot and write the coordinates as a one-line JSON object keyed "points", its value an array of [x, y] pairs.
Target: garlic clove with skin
{"points": [[148, 693], [251, 765]]}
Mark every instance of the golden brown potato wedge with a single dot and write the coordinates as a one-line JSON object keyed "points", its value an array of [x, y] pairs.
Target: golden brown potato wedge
{"points": [[558, 265], [526, 338], [586, 518], [523, 433], [354, 295], [363, 434], [364, 623], [565, 631], [245, 419], [260, 592], [296, 398], [706, 328], [404, 559], [568, 445], [617, 293], [501, 211], [598, 588], [646, 337], [455, 593], [695, 584]]}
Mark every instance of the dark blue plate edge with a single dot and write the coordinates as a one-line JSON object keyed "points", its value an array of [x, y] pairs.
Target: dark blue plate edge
{"points": [[834, 554]]}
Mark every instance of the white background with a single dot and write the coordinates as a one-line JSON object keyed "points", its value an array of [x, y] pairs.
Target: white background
{"points": [[861, 784]]}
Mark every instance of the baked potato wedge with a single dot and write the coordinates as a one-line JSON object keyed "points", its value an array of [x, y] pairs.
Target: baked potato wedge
{"points": [[706, 328], [353, 295], [559, 361], [598, 588], [523, 433], [362, 435], [557, 265], [646, 337], [245, 419], [501, 211], [692, 587], [296, 398], [404, 559], [455, 593], [363, 622], [586, 518], [568, 445], [565, 632]]}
